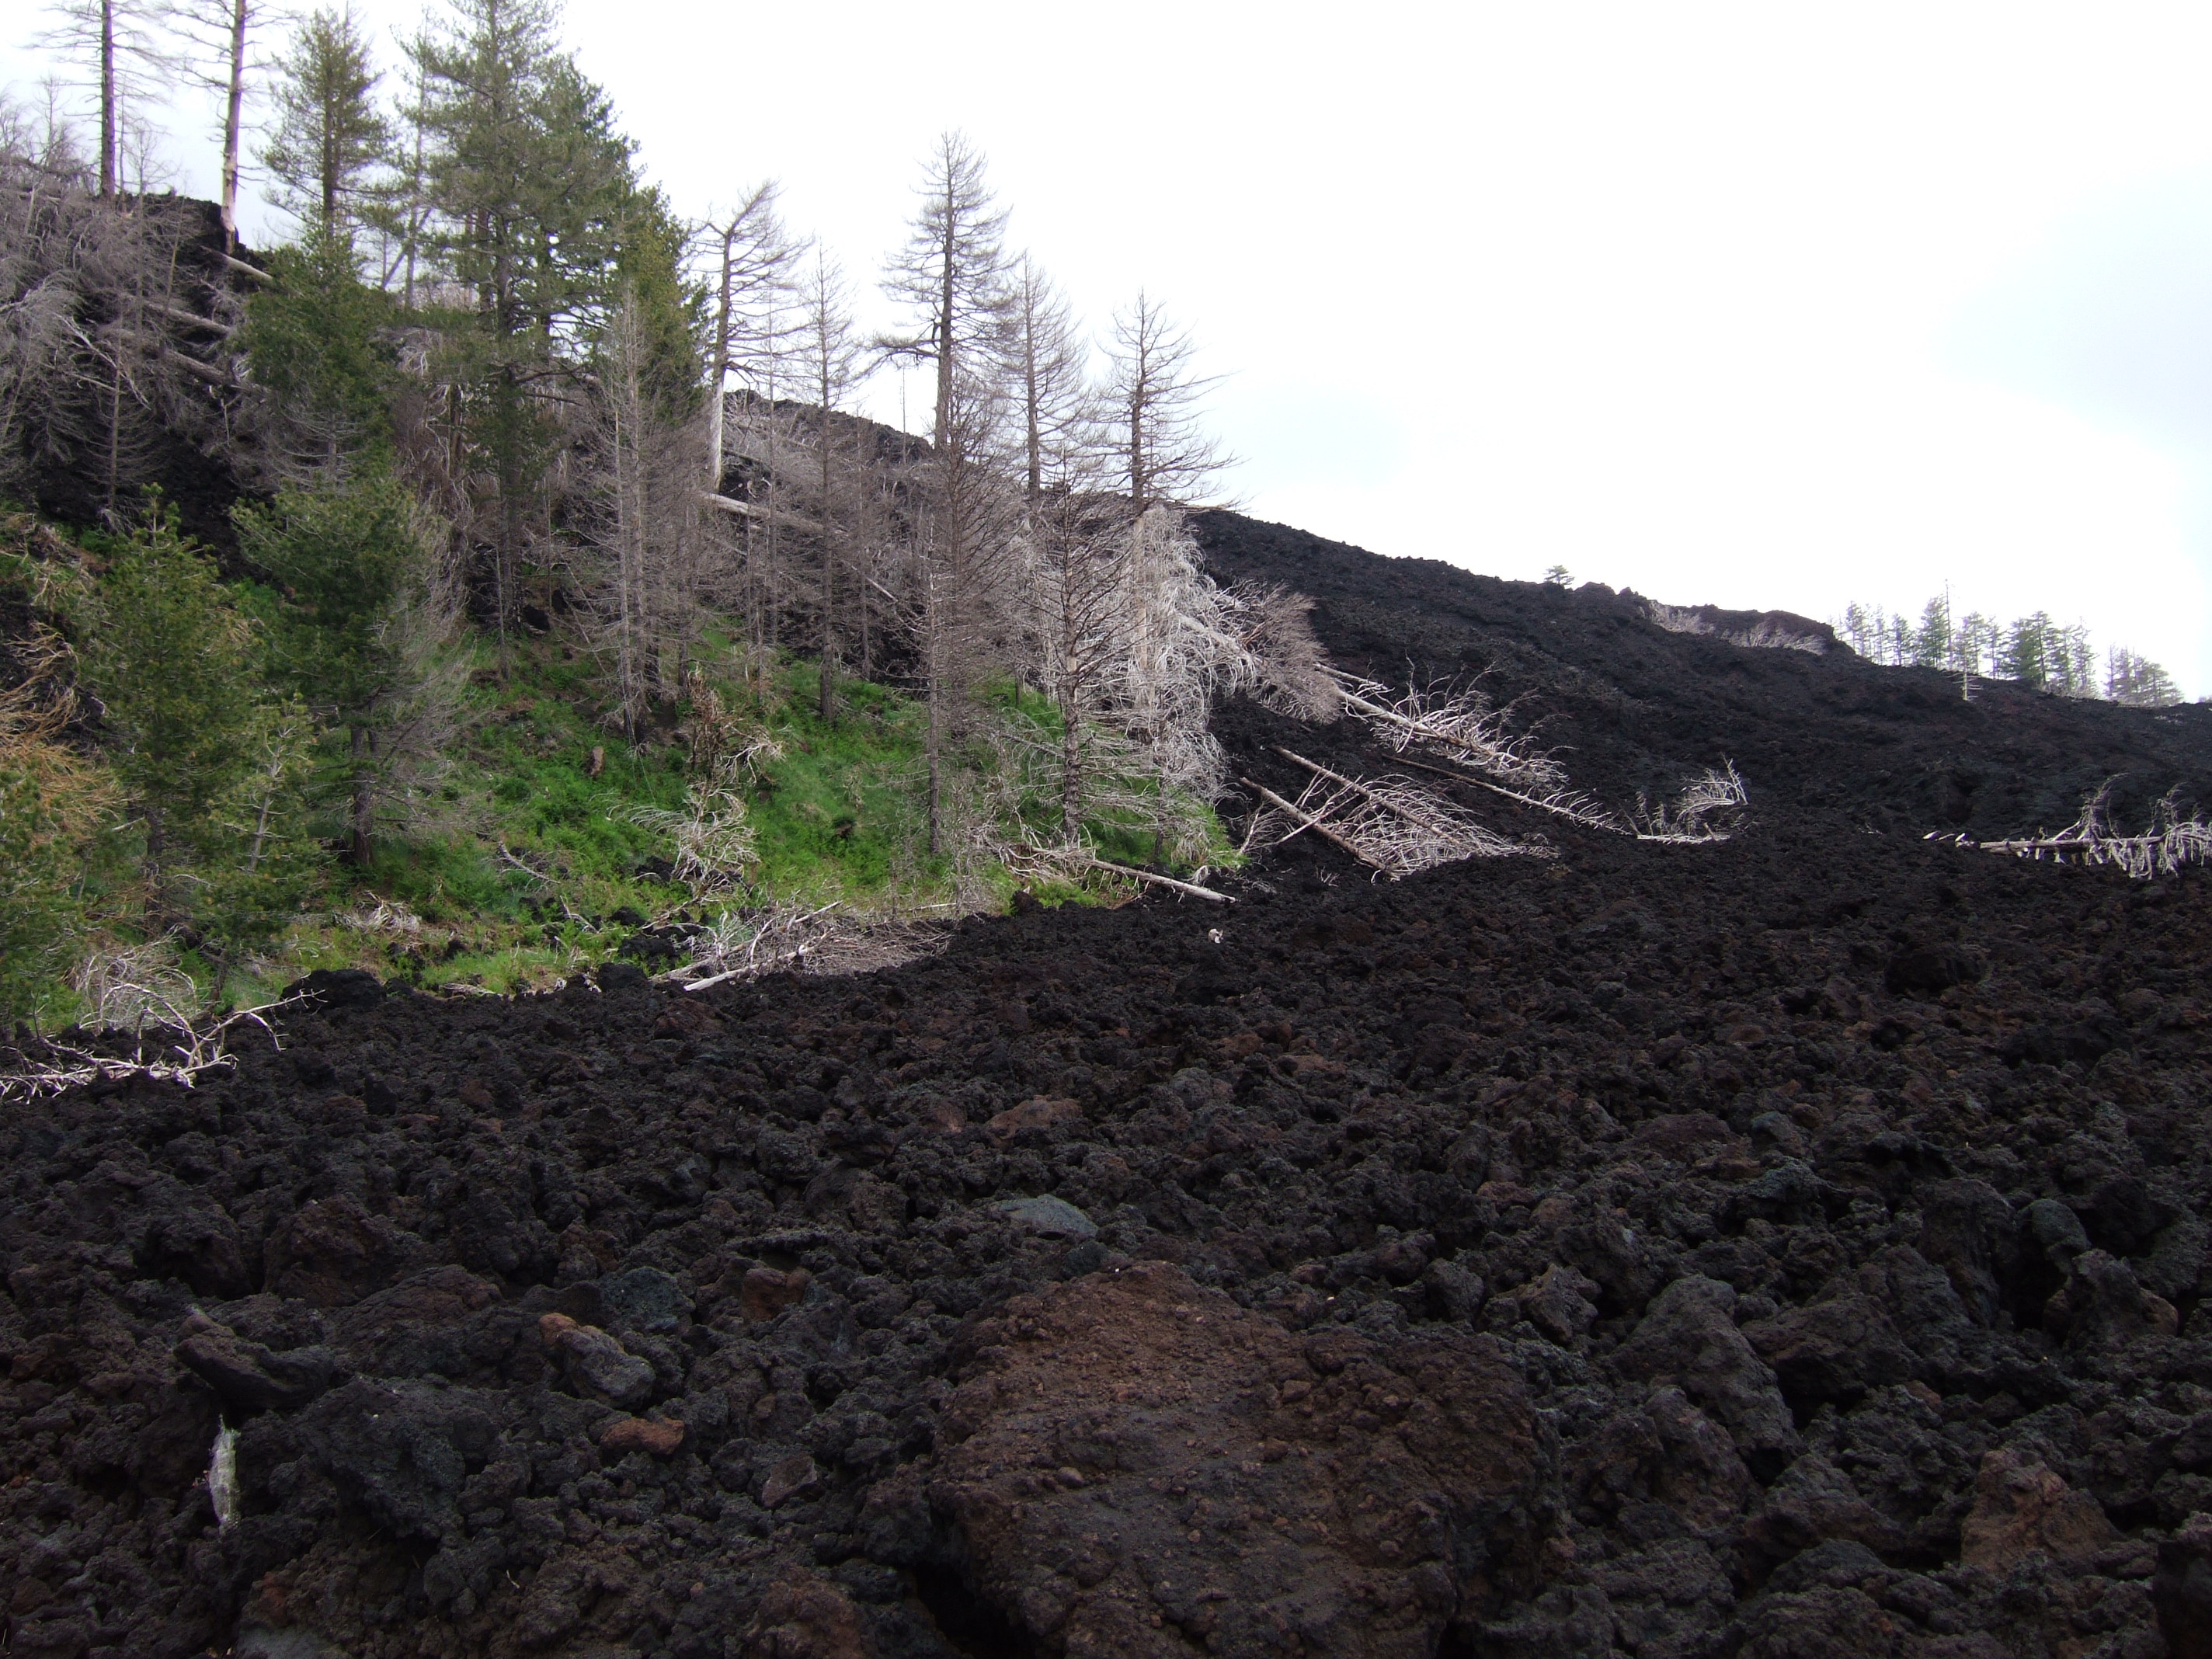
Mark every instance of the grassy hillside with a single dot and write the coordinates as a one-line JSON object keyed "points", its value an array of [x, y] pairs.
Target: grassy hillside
{"points": [[528, 863], [537, 843]]}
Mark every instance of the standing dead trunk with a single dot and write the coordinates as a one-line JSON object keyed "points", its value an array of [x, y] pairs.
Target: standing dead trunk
{"points": [[107, 122], [364, 797], [719, 368], [934, 644], [1070, 769], [828, 582], [233, 110]]}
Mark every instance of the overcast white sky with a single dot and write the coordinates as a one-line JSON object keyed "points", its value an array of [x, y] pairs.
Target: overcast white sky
{"points": [[1758, 305]]}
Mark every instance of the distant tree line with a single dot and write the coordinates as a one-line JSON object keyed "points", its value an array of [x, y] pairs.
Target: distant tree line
{"points": [[2037, 652]]}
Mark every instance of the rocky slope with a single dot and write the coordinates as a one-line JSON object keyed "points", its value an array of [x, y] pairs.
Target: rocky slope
{"points": [[1790, 1246]]}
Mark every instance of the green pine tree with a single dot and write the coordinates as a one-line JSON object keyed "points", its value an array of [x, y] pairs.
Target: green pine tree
{"points": [[528, 179], [313, 345], [329, 135], [352, 565], [193, 735], [53, 800]]}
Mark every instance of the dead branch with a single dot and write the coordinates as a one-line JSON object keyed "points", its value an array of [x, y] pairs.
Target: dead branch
{"points": [[194, 1052], [188, 319], [508, 858], [1191, 888], [747, 510], [1575, 806], [1409, 829], [1306, 820], [1688, 817], [2161, 850], [738, 944], [1462, 725], [193, 366]]}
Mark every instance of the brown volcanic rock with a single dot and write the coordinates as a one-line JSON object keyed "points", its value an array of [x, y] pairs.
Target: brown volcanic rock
{"points": [[1143, 1468], [2021, 1507], [333, 1253]]}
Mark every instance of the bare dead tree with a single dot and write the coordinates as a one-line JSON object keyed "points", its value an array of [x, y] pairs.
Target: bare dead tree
{"points": [[1152, 394], [649, 522], [1288, 669], [1461, 724], [216, 36], [116, 49], [830, 357], [952, 278], [166, 1046], [1398, 827], [2162, 849], [1178, 651], [1078, 546], [1050, 358], [1704, 811], [114, 338], [754, 272]]}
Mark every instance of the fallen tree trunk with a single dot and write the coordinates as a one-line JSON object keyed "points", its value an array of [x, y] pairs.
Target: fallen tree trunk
{"points": [[1572, 809], [1191, 888], [1308, 821]]}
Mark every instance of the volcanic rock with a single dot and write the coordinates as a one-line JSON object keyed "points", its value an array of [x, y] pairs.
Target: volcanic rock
{"points": [[1140, 1466]]}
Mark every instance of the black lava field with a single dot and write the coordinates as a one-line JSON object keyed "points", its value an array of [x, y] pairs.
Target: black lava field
{"points": [[1791, 1246]]}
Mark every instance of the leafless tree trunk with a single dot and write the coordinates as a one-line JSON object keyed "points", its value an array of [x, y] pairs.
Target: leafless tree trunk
{"points": [[1154, 394], [113, 44], [830, 358], [215, 35], [107, 97], [649, 525], [233, 116], [1056, 397], [951, 276], [1080, 545], [755, 269]]}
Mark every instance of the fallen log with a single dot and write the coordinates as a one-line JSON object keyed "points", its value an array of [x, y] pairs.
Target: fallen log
{"points": [[1191, 888], [1308, 821]]}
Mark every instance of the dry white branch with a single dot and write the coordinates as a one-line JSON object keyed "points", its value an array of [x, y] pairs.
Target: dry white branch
{"points": [[384, 916], [508, 858], [1574, 805], [713, 842], [1714, 793], [830, 938], [1405, 828], [124, 985], [1157, 880], [1462, 725], [183, 1053], [1306, 819], [2161, 850]]}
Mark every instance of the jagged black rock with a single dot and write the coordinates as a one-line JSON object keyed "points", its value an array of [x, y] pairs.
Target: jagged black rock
{"points": [[1821, 1213]]}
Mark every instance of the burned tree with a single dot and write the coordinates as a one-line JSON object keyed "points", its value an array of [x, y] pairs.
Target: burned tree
{"points": [[951, 276], [830, 360], [1152, 399]]}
